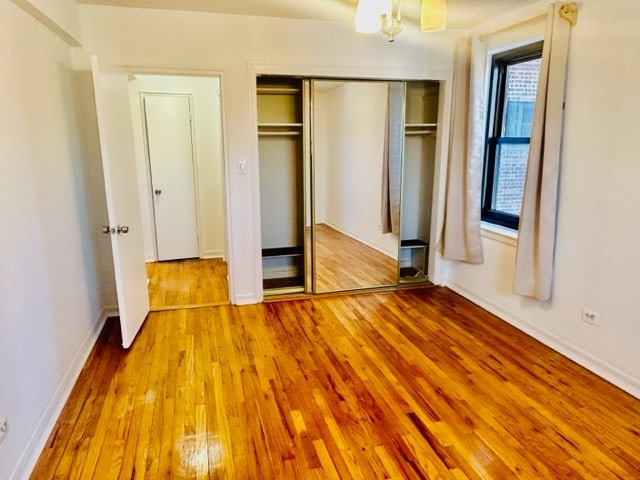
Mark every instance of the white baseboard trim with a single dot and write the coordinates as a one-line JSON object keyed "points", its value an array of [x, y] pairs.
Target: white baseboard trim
{"points": [[49, 417], [245, 299], [213, 254], [110, 311], [362, 240], [612, 374]]}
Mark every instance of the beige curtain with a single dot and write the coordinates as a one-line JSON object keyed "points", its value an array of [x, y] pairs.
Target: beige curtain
{"points": [[392, 159], [537, 230], [460, 236]]}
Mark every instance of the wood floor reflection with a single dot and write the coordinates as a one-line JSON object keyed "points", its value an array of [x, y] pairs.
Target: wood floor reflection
{"points": [[344, 263], [187, 283], [412, 384]]}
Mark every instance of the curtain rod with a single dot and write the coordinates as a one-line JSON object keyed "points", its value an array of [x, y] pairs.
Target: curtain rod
{"points": [[486, 35]]}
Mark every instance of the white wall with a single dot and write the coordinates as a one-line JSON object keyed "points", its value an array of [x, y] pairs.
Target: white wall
{"points": [[349, 140], [207, 126], [417, 186], [238, 47], [60, 16], [597, 256], [50, 293]]}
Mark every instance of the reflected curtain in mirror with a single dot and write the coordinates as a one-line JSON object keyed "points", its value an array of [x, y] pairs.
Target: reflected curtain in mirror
{"points": [[392, 159]]}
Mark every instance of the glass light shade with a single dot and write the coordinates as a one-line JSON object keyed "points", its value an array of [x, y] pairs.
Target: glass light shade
{"points": [[391, 24], [433, 15], [368, 14]]}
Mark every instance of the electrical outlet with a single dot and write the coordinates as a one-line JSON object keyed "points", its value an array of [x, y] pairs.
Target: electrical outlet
{"points": [[4, 426], [590, 316]]}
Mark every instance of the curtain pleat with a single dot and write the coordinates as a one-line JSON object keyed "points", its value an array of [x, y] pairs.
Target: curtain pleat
{"points": [[460, 236], [537, 229], [392, 159]]}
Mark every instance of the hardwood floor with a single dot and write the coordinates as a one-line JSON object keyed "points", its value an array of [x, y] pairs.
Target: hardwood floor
{"points": [[186, 283], [415, 384], [344, 263]]}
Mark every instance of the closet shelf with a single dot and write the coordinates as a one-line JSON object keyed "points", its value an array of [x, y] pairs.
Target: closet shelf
{"points": [[282, 252], [278, 125], [277, 90], [420, 128], [413, 243]]}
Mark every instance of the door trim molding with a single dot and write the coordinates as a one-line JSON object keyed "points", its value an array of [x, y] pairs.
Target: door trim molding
{"points": [[226, 169]]}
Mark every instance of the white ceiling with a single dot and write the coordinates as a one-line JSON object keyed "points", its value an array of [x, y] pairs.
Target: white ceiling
{"points": [[463, 14]]}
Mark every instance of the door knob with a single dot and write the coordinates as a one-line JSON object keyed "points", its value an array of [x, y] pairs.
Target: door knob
{"points": [[122, 229], [157, 191]]}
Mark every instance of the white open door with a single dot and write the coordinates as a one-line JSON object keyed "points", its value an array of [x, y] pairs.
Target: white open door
{"points": [[118, 161]]}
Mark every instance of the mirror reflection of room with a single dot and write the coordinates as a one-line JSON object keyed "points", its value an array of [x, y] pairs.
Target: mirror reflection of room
{"points": [[178, 144], [356, 164]]}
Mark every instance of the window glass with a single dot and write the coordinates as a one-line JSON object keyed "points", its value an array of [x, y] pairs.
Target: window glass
{"points": [[511, 167], [514, 85], [520, 97]]}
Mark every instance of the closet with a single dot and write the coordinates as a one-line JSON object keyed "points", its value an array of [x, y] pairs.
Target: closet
{"points": [[346, 182], [281, 108], [420, 128]]}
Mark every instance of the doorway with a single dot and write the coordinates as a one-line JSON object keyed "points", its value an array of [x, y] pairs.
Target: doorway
{"points": [[177, 124], [169, 135]]}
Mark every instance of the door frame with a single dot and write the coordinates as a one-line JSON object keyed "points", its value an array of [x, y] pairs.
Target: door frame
{"points": [[221, 76], [194, 165]]}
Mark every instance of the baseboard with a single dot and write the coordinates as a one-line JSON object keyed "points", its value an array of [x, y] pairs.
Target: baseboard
{"points": [[245, 299], [361, 240], [610, 373], [213, 254], [110, 311], [49, 417]]}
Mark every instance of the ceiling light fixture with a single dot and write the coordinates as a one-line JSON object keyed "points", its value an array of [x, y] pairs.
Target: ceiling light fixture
{"points": [[433, 15], [381, 16], [391, 23]]}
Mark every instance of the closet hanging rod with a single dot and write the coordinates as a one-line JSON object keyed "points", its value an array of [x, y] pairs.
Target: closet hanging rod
{"points": [[278, 134], [277, 90], [418, 132]]}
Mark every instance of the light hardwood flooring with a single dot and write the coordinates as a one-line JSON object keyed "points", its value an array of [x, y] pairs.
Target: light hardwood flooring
{"points": [[187, 283], [344, 263], [412, 384]]}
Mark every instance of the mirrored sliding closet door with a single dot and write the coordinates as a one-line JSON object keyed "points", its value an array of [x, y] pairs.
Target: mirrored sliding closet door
{"points": [[346, 182], [356, 156]]}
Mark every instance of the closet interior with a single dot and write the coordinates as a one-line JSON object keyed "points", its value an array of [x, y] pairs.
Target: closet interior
{"points": [[420, 128], [282, 104], [346, 182]]}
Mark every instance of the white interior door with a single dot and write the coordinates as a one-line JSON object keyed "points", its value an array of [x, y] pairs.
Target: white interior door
{"points": [[118, 161], [169, 141]]}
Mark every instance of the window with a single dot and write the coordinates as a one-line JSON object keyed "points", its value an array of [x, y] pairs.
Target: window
{"points": [[512, 97]]}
